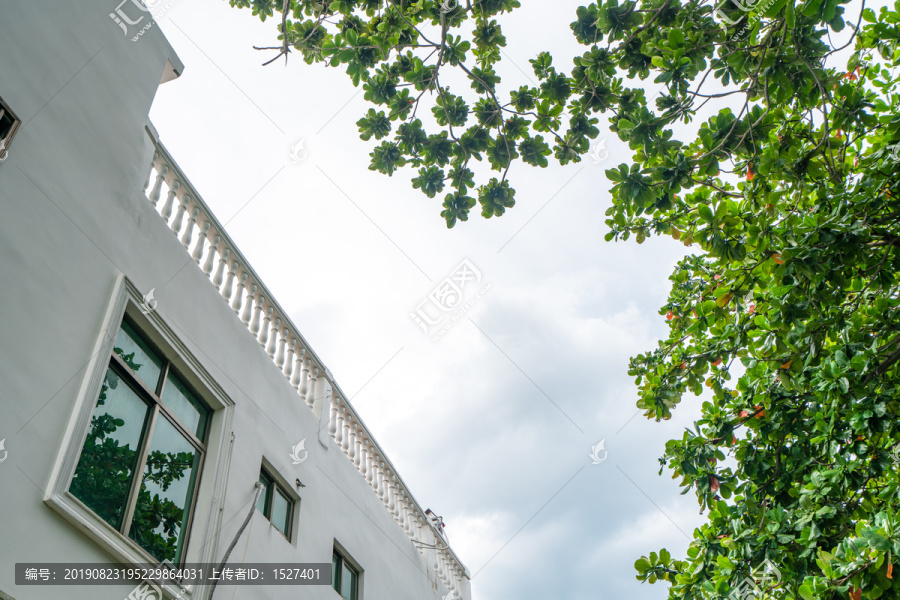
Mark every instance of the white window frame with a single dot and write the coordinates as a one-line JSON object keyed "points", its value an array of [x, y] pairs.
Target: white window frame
{"points": [[202, 544]]}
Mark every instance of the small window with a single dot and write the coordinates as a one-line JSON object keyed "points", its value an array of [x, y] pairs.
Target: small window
{"points": [[9, 123], [344, 577], [141, 461], [275, 504]]}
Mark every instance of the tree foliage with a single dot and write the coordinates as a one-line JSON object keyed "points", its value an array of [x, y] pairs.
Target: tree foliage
{"points": [[786, 317]]}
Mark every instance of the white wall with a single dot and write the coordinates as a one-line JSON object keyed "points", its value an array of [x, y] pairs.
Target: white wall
{"points": [[72, 219]]}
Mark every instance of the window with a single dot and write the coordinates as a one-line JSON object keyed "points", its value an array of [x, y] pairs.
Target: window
{"points": [[8, 125], [275, 504], [343, 576], [139, 467]]}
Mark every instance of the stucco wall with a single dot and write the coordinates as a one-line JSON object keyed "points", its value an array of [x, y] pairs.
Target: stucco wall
{"points": [[72, 219]]}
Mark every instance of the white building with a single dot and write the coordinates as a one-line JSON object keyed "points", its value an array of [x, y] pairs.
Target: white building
{"points": [[150, 380]]}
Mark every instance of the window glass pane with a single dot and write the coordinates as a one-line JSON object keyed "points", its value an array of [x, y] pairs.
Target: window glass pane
{"points": [[184, 405], [164, 499], [336, 572], [348, 582], [263, 502], [109, 457], [281, 515], [6, 123], [138, 355]]}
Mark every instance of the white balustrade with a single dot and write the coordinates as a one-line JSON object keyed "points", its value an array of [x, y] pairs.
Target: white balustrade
{"points": [[253, 304]]}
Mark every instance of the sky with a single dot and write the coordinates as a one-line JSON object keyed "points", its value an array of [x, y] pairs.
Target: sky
{"points": [[491, 424]]}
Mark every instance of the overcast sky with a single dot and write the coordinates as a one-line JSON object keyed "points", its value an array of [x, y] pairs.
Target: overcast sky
{"points": [[492, 425]]}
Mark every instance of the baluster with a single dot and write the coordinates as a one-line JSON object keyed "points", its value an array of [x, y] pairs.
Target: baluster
{"points": [[150, 172], [385, 482], [239, 296], [170, 201], [362, 449], [211, 255], [220, 270], [248, 308], [304, 378], [414, 525], [298, 366], [156, 192], [264, 330], [446, 565], [369, 471], [339, 424], [257, 314], [311, 392], [273, 337], [192, 219], [410, 521], [289, 361], [351, 451], [179, 214], [420, 526], [229, 280], [388, 489], [358, 457], [345, 425], [197, 254], [441, 572], [282, 339], [410, 517], [376, 478], [401, 510], [395, 494], [332, 418]]}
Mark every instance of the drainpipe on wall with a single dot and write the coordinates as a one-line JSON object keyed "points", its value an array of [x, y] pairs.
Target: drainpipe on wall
{"points": [[259, 488]]}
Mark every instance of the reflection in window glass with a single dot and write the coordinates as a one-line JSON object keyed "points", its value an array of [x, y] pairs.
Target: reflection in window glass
{"points": [[343, 576], [132, 429], [348, 583], [166, 491], [263, 502], [281, 516], [138, 355], [335, 571], [186, 407], [109, 456]]}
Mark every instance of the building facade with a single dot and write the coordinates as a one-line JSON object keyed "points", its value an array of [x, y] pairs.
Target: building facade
{"points": [[158, 404]]}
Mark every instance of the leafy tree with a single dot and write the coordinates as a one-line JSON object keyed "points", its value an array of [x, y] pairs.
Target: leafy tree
{"points": [[787, 316]]}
